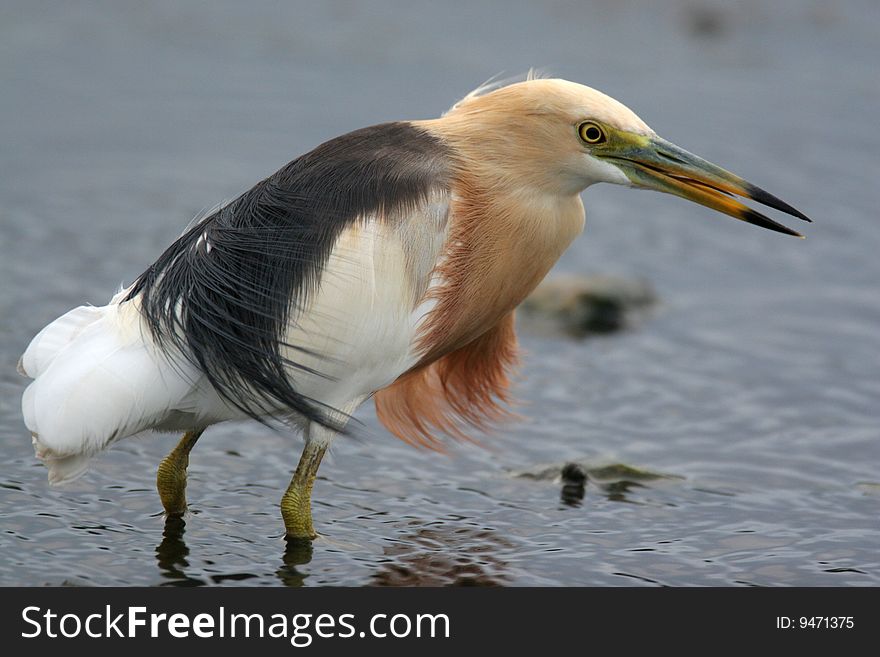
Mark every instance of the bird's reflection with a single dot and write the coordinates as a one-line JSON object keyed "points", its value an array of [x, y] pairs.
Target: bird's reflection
{"points": [[172, 552], [444, 555], [297, 552]]}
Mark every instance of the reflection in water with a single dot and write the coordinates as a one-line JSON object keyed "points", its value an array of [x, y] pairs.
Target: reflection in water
{"points": [[297, 552], [444, 556], [572, 494], [616, 491], [171, 555]]}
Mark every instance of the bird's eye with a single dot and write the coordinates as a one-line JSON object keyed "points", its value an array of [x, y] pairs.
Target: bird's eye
{"points": [[590, 133]]}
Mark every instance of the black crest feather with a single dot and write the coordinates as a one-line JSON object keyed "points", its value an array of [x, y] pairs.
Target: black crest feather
{"points": [[224, 292]]}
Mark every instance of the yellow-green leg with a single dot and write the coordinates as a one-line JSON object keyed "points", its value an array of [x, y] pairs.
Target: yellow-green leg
{"points": [[296, 504], [171, 476]]}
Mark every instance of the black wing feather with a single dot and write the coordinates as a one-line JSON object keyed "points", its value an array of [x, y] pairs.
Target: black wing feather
{"points": [[224, 292]]}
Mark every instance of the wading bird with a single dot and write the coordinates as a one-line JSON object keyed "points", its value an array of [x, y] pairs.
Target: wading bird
{"points": [[385, 263]]}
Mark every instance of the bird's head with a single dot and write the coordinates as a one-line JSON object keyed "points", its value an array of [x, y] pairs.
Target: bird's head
{"points": [[558, 136]]}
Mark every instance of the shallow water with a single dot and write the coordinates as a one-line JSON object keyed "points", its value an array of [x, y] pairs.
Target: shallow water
{"points": [[754, 386]]}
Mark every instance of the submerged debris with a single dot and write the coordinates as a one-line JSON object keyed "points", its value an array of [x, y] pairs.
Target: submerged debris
{"points": [[614, 480], [574, 483], [579, 306], [574, 473]]}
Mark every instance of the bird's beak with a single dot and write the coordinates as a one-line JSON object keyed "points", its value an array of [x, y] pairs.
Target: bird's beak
{"points": [[655, 163]]}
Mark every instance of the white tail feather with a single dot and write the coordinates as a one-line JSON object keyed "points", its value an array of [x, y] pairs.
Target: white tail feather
{"points": [[98, 378], [66, 469], [55, 337]]}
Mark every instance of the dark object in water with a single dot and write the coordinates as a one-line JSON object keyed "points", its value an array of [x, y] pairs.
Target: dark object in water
{"points": [[574, 482], [580, 306], [574, 473]]}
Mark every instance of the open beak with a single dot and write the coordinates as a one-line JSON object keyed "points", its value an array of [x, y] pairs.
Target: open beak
{"points": [[655, 163]]}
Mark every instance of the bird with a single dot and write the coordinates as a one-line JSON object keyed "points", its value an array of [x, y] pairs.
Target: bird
{"points": [[384, 264]]}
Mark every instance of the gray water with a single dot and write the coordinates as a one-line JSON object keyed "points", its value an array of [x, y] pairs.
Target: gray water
{"points": [[755, 385]]}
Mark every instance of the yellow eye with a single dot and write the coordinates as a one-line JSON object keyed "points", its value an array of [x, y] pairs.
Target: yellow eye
{"points": [[590, 133]]}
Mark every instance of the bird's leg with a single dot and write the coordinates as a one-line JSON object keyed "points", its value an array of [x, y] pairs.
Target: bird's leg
{"points": [[171, 476], [296, 504]]}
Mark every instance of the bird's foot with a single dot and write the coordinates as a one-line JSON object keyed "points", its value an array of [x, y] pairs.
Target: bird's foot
{"points": [[297, 521], [171, 475], [296, 504]]}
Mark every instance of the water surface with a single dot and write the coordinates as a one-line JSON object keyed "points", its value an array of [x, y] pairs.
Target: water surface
{"points": [[754, 386]]}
